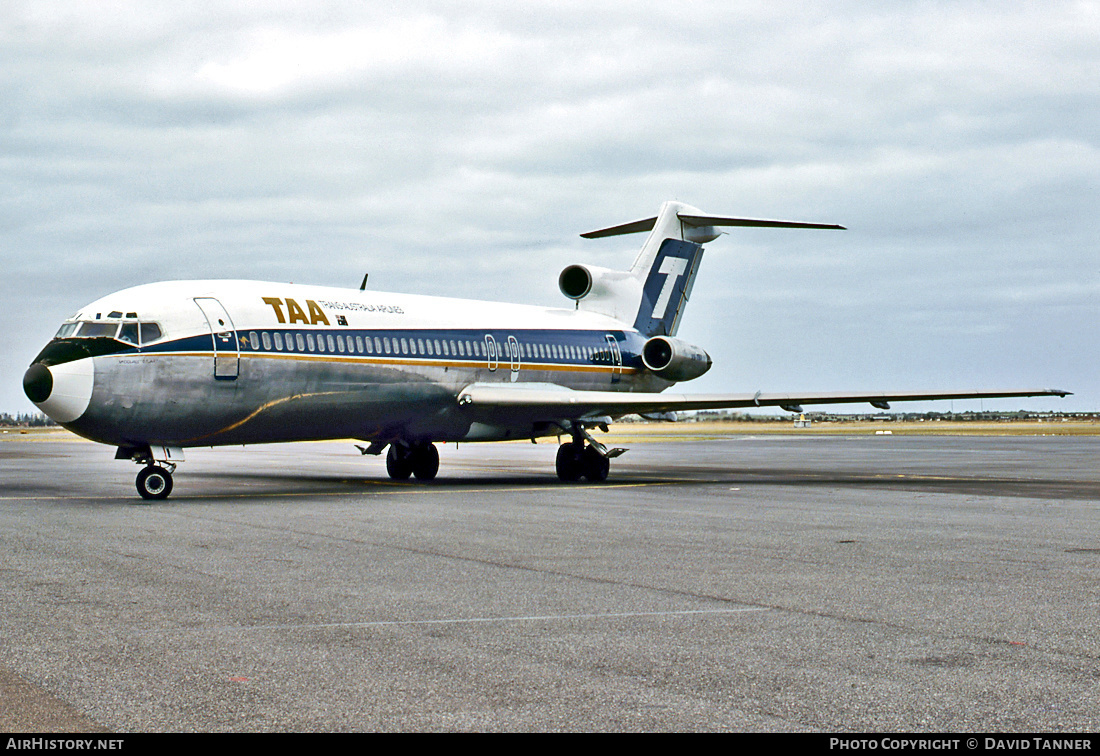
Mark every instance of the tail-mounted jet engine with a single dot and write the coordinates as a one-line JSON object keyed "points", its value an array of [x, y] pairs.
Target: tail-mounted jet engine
{"points": [[615, 293], [674, 360], [580, 281]]}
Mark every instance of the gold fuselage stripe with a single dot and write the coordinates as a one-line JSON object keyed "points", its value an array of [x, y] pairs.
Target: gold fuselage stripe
{"points": [[408, 362]]}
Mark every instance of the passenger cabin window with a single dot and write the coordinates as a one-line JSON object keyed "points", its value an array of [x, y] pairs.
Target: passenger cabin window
{"points": [[254, 340]]}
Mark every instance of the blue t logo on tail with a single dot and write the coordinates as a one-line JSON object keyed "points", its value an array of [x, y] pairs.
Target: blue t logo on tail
{"points": [[667, 287]]}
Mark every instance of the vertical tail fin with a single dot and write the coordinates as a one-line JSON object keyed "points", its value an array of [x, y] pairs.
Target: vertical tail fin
{"points": [[664, 270], [659, 283], [667, 287]]}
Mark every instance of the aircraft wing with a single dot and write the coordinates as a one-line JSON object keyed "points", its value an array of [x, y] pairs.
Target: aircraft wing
{"points": [[546, 401]]}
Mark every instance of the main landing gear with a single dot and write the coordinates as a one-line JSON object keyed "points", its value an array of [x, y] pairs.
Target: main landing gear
{"points": [[420, 460], [576, 460], [583, 457]]}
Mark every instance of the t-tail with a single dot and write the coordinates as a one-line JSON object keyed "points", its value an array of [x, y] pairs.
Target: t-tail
{"points": [[652, 295]]}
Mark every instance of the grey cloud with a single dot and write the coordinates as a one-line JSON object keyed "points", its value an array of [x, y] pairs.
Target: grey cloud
{"points": [[958, 141]]}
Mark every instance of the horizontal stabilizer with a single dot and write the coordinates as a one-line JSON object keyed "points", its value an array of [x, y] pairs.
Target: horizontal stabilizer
{"points": [[715, 220], [634, 227], [646, 224]]}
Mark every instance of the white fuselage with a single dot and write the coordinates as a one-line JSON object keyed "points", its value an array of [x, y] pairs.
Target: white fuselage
{"points": [[236, 362]]}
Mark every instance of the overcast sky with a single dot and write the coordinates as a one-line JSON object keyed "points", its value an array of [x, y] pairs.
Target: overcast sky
{"points": [[460, 148]]}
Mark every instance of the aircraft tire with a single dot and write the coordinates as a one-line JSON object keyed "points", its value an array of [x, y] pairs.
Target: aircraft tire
{"points": [[570, 462], [154, 483], [425, 461], [399, 462], [596, 466]]}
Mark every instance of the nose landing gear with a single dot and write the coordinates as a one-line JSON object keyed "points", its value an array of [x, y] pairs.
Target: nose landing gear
{"points": [[154, 481]]}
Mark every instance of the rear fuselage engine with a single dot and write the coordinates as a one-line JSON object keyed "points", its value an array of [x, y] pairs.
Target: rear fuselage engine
{"points": [[674, 360]]}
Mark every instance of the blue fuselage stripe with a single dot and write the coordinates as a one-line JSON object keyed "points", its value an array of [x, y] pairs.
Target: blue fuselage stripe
{"points": [[549, 347]]}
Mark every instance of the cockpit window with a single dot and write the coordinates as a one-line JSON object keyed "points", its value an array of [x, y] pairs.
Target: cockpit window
{"points": [[150, 332], [129, 333], [92, 330]]}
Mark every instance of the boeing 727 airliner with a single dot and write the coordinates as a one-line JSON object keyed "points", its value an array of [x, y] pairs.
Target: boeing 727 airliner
{"points": [[157, 368]]}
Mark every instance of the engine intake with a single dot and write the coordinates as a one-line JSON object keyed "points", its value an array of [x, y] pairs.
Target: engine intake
{"points": [[674, 360], [575, 282]]}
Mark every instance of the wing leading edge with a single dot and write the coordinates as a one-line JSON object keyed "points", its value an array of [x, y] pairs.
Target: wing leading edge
{"points": [[547, 401]]}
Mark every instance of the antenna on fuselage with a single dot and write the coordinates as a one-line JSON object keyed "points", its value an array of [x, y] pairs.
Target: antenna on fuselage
{"points": [[363, 286]]}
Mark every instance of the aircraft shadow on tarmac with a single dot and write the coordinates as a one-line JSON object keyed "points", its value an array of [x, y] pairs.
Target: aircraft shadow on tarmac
{"points": [[213, 484]]}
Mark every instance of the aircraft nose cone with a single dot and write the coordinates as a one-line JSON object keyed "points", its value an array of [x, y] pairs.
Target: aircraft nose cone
{"points": [[38, 383]]}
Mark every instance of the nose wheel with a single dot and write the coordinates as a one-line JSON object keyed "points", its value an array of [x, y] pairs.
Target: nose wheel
{"points": [[154, 482]]}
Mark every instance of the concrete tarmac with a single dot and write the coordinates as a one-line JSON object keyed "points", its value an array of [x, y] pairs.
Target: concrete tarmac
{"points": [[746, 583]]}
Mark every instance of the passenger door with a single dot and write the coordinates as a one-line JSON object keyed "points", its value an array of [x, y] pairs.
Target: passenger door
{"points": [[513, 349], [491, 352], [616, 358], [227, 349]]}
